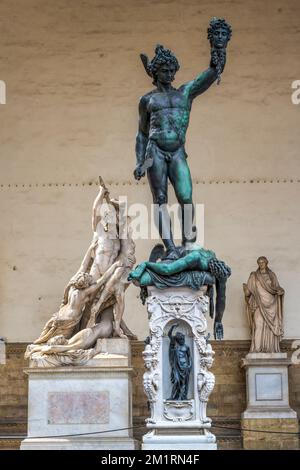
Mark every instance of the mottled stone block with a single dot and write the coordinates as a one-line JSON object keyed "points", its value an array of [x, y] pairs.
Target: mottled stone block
{"points": [[78, 407], [268, 387]]}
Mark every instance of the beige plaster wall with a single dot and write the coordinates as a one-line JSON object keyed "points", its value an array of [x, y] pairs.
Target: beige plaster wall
{"points": [[73, 80]]}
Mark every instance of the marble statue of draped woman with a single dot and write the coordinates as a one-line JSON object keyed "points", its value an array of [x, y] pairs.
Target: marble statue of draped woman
{"points": [[264, 305]]}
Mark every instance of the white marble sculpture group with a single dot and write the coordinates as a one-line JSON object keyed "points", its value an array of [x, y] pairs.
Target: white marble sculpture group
{"points": [[93, 302]]}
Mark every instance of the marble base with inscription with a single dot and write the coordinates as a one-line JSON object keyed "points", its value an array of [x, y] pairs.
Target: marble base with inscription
{"points": [[268, 407], [267, 386], [82, 407], [178, 424]]}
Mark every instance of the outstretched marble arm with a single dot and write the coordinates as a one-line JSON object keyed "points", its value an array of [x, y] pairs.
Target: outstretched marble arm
{"points": [[103, 279], [103, 192], [88, 256]]}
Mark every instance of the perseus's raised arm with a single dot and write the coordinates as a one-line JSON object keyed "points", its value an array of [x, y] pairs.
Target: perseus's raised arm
{"points": [[200, 84]]}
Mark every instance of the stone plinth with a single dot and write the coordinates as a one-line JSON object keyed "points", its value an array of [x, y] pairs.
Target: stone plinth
{"points": [[180, 440], [68, 406], [268, 406], [178, 424]]}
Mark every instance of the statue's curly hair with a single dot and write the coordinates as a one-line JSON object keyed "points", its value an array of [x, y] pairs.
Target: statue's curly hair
{"points": [[217, 23], [162, 56], [81, 280], [219, 269]]}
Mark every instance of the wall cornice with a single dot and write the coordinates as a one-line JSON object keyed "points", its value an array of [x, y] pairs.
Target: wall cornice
{"points": [[208, 181]]}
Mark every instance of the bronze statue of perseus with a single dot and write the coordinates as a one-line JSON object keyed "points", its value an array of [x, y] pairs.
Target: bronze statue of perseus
{"points": [[164, 115], [163, 121]]}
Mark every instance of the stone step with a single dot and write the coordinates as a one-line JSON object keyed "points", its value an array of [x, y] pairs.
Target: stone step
{"points": [[228, 434]]}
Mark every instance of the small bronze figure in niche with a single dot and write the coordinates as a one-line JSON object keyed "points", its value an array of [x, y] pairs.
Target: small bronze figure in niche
{"points": [[181, 365]]}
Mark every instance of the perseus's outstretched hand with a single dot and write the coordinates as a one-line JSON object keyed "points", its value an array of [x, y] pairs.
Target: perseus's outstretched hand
{"points": [[218, 330]]}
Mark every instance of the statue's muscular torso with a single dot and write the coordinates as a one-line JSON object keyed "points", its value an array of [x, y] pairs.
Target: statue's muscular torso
{"points": [[167, 117], [164, 116], [183, 356]]}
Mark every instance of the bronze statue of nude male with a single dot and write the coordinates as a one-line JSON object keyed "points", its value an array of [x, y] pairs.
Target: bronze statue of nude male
{"points": [[163, 121]]}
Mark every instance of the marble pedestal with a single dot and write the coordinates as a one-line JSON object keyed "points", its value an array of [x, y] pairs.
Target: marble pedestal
{"points": [[177, 424], [75, 407], [268, 403]]}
